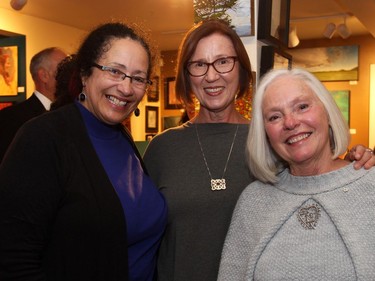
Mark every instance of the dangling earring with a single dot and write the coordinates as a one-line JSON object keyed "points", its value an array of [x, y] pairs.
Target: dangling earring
{"points": [[137, 112], [82, 97]]}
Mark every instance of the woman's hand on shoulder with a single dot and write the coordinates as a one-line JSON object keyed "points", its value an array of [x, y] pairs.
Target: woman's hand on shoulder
{"points": [[363, 156]]}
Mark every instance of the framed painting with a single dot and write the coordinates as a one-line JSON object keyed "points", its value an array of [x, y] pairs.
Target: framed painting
{"points": [[5, 104], [273, 22], [274, 58], [153, 91], [170, 99], [152, 119], [342, 99], [171, 121], [12, 67], [329, 63]]}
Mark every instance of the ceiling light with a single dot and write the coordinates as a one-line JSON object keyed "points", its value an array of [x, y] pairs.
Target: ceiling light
{"points": [[329, 30], [293, 38], [18, 4], [343, 30]]}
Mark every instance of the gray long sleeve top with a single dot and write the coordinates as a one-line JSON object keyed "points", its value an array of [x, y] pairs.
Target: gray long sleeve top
{"points": [[270, 239]]}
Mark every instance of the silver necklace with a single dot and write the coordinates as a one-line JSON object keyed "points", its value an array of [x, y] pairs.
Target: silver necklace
{"points": [[217, 184]]}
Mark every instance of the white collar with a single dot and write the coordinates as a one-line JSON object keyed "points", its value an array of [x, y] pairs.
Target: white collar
{"points": [[44, 100]]}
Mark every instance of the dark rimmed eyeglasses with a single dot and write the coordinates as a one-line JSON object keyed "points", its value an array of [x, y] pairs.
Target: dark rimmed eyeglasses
{"points": [[118, 76], [221, 65]]}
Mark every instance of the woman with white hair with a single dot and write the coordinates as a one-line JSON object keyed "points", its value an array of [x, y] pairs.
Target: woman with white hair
{"points": [[310, 214]]}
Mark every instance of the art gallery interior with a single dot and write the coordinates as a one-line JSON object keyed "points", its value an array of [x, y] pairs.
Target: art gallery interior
{"points": [[312, 25]]}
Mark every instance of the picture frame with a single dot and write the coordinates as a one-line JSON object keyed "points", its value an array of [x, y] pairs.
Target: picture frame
{"points": [[239, 14], [342, 99], [274, 58], [152, 119], [12, 47], [171, 121], [242, 17], [153, 91], [273, 22], [5, 104], [333, 63], [148, 137], [170, 99]]}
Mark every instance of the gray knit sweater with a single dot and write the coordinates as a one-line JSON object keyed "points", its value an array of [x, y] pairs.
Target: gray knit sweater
{"points": [[304, 228]]}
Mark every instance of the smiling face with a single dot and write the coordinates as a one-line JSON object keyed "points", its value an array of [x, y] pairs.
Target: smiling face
{"points": [[215, 91], [110, 101], [296, 124]]}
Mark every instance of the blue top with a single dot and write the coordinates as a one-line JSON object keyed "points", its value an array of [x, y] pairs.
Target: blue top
{"points": [[144, 207]]}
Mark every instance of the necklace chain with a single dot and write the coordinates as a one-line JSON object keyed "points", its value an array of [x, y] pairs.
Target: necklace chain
{"points": [[217, 184]]}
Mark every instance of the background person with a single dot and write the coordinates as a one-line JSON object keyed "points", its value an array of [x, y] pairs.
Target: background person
{"points": [[190, 163], [310, 213], [66, 89], [43, 67], [75, 200]]}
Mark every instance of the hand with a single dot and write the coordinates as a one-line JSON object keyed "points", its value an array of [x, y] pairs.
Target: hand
{"points": [[364, 156]]}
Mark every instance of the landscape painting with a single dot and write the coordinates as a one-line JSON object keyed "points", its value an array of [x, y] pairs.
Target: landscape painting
{"points": [[328, 63]]}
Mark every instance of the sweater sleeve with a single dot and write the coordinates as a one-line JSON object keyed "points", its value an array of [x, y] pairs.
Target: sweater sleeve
{"points": [[238, 243], [29, 198]]}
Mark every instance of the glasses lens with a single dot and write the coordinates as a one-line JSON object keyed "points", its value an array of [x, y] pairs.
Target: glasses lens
{"points": [[221, 65], [197, 68], [224, 65]]}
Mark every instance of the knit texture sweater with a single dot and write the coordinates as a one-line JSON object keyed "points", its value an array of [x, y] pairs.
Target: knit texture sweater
{"points": [[304, 228]]}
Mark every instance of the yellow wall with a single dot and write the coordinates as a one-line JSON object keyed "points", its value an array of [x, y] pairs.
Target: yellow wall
{"points": [[42, 34], [359, 90], [39, 34]]}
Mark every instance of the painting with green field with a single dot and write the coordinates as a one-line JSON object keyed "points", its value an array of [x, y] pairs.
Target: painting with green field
{"points": [[342, 99], [328, 63]]}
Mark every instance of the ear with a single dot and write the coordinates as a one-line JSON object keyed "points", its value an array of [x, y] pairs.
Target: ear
{"points": [[43, 75]]}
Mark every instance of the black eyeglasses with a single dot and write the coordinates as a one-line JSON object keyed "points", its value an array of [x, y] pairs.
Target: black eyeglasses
{"points": [[118, 76], [221, 65]]}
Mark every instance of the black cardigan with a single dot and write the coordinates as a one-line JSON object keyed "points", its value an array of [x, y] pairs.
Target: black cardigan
{"points": [[60, 217]]}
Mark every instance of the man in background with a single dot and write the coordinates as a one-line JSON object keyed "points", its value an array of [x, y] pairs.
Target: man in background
{"points": [[43, 68]]}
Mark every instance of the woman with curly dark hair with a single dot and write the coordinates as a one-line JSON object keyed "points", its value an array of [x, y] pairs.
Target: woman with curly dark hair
{"points": [[76, 202]]}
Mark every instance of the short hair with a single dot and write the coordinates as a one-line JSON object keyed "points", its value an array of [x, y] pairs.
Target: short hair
{"points": [[41, 59], [263, 161], [189, 45], [98, 42]]}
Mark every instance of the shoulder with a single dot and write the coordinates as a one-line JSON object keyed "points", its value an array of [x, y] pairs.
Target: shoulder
{"points": [[171, 136], [58, 121], [257, 191]]}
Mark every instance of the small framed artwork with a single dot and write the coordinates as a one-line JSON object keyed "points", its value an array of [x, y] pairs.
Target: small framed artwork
{"points": [[149, 137], [5, 104], [153, 91], [170, 99], [171, 121], [152, 119], [12, 66], [274, 58], [273, 22]]}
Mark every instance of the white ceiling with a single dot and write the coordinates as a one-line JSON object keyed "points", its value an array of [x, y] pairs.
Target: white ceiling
{"points": [[170, 19]]}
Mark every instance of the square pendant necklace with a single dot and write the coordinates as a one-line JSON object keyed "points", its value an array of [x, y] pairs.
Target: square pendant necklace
{"points": [[217, 184]]}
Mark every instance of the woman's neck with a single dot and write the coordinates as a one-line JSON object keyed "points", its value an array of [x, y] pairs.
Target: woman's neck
{"points": [[317, 168]]}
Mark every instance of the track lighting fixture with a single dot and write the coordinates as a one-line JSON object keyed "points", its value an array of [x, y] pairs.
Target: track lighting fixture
{"points": [[342, 30], [293, 38], [329, 30], [18, 4]]}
